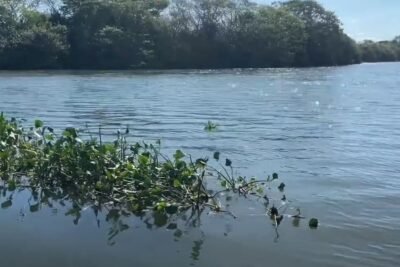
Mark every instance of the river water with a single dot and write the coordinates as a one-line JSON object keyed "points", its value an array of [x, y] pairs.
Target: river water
{"points": [[332, 134]]}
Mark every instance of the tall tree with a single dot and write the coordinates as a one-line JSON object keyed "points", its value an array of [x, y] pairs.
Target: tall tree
{"points": [[325, 36], [112, 34], [267, 37]]}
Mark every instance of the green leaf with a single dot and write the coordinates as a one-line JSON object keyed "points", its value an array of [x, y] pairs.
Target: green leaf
{"points": [[70, 132], [228, 163], [216, 155], [223, 183], [12, 185], [177, 183], [49, 137], [313, 223], [161, 206], [38, 124], [274, 176], [179, 155], [144, 160]]}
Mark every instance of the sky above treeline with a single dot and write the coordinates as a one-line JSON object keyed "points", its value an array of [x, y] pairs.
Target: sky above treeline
{"points": [[365, 19]]}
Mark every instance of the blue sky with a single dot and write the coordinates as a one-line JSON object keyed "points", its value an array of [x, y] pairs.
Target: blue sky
{"points": [[365, 19]]}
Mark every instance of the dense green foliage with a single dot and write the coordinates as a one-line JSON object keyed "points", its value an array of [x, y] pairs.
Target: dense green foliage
{"points": [[125, 34], [180, 34], [132, 177], [118, 179], [380, 51]]}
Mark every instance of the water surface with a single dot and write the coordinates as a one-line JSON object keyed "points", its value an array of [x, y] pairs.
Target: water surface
{"points": [[331, 133]]}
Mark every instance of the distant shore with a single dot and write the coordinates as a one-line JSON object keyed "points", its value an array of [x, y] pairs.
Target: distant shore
{"points": [[185, 34]]}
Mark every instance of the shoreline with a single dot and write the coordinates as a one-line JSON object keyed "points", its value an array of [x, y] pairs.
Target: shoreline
{"points": [[173, 70]]}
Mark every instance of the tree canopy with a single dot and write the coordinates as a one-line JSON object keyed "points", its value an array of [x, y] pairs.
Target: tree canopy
{"points": [[383, 51], [129, 34]]}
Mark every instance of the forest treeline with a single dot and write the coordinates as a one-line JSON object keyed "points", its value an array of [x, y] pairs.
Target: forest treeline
{"points": [[128, 34]]}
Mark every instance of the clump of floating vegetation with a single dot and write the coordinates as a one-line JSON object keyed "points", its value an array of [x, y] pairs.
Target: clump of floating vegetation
{"points": [[130, 178], [211, 126]]}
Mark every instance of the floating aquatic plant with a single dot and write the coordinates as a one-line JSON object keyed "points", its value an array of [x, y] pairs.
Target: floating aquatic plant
{"points": [[313, 223], [211, 126], [127, 178]]}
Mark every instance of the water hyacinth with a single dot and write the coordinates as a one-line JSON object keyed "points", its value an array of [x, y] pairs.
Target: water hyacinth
{"points": [[130, 178]]}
